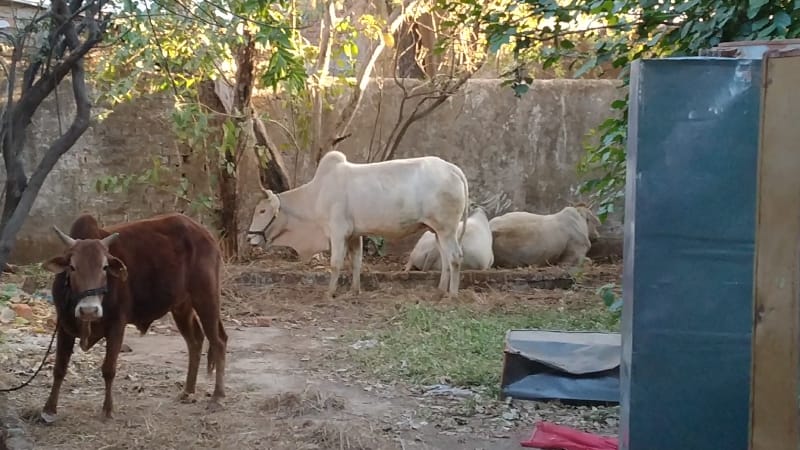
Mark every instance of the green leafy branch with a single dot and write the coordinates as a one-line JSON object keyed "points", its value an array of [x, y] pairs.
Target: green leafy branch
{"points": [[611, 300], [593, 36]]}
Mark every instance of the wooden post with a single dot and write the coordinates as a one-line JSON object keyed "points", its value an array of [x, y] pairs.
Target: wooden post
{"points": [[776, 312]]}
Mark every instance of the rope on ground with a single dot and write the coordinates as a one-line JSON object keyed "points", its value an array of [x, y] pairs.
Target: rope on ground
{"points": [[46, 354]]}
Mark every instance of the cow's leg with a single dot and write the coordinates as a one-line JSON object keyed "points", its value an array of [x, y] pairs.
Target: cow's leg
{"points": [[355, 249], [454, 258], [575, 249], [65, 344], [409, 264], [338, 252], [573, 256], [445, 275], [205, 301], [192, 333], [114, 338]]}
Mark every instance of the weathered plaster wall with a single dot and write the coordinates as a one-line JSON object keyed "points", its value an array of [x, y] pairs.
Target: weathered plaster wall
{"points": [[127, 141], [516, 153]]}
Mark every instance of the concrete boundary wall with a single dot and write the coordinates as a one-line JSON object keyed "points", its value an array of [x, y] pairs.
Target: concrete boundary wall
{"points": [[518, 153]]}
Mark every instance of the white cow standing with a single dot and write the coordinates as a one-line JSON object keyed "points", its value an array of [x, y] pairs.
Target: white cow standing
{"points": [[522, 239], [344, 201], [476, 246]]}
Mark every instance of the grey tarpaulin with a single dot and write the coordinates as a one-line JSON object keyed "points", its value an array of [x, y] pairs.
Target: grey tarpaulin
{"points": [[689, 243], [580, 366]]}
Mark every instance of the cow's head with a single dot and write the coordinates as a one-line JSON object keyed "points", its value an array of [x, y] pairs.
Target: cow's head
{"points": [[592, 222], [261, 229], [88, 264]]}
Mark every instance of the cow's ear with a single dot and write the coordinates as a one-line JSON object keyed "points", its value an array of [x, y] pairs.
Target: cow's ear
{"points": [[56, 265], [274, 202], [117, 268]]}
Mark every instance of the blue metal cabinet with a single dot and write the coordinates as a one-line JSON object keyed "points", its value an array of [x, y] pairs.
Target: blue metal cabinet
{"points": [[689, 241]]}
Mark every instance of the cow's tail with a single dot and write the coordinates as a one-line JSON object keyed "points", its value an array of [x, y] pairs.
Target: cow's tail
{"points": [[466, 206], [212, 364], [212, 360]]}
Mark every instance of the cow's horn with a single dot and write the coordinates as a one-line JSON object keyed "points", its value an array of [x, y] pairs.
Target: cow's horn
{"points": [[106, 241], [68, 241], [264, 190], [274, 201]]}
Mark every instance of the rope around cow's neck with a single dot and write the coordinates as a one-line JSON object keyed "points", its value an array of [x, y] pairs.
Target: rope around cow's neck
{"points": [[46, 354]]}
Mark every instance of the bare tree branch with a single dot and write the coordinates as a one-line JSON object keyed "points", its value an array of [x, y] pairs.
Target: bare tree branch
{"points": [[362, 79], [322, 65], [418, 114], [21, 192], [61, 145], [431, 94]]}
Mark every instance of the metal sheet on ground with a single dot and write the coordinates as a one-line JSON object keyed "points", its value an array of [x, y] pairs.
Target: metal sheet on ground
{"points": [[564, 365]]}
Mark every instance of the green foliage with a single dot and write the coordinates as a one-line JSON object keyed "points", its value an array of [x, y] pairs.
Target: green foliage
{"points": [[154, 176], [123, 182], [611, 300], [378, 243], [595, 35], [172, 45]]}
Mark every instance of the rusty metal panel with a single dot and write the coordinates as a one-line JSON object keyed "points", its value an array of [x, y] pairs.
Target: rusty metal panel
{"points": [[750, 49]]}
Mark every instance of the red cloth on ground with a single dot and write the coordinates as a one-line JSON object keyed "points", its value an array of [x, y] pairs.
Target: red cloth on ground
{"points": [[558, 437]]}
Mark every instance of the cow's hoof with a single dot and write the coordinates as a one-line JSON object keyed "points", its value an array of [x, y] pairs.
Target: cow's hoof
{"points": [[106, 416], [186, 397], [214, 405], [47, 418]]}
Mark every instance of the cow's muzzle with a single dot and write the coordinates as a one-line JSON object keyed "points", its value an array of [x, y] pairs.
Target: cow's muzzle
{"points": [[89, 303], [253, 235], [257, 237], [90, 309]]}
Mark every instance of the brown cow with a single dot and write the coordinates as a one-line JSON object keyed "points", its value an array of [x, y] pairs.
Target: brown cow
{"points": [[134, 273]]}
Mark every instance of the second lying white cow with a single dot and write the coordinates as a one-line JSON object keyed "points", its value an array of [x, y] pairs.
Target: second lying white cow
{"points": [[476, 246], [345, 201], [522, 239]]}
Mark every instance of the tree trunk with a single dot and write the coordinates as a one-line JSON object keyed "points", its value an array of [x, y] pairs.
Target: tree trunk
{"points": [[21, 191], [239, 108], [15, 186], [274, 176], [229, 224]]}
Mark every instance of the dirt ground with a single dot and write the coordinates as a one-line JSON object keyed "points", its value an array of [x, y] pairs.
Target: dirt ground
{"points": [[289, 383]]}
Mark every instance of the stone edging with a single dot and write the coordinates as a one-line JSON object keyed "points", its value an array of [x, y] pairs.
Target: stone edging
{"points": [[475, 279]]}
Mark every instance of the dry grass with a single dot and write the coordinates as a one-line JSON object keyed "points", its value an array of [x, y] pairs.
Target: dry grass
{"points": [[296, 404], [330, 435], [151, 418]]}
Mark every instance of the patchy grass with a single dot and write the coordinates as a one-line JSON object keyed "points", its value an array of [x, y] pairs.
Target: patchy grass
{"points": [[425, 344]]}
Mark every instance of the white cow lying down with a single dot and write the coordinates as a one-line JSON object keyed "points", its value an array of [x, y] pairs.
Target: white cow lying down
{"points": [[522, 239], [345, 201], [476, 246]]}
